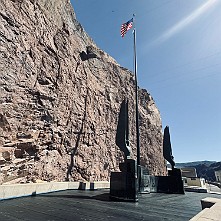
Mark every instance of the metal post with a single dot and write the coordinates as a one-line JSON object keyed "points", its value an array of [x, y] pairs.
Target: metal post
{"points": [[137, 113]]}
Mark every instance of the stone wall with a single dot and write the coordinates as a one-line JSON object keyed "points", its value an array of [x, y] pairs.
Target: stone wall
{"points": [[59, 99]]}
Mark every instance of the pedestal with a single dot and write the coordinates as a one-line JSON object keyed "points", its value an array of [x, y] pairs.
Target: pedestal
{"points": [[124, 184], [144, 180], [172, 183]]}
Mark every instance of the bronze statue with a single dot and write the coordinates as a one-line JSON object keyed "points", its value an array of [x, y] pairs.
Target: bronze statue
{"points": [[122, 136], [167, 150]]}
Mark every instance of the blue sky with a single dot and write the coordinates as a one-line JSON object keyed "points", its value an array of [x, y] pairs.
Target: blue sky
{"points": [[179, 63]]}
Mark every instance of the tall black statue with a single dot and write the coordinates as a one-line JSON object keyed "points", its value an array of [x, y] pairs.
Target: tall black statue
{"points": [[124, 183], [122, 136], [173, 182], [167, 150]]}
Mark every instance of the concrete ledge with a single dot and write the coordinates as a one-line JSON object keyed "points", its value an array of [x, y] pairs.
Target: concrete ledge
{"points": [[100, 185], [209, 202], [94, 185], [200, 214], [214, 213], [32, 189], [211, 210], [195, 189], [19, 190], [73, 185]]}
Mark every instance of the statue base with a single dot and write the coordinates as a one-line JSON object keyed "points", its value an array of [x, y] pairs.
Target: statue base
{"points": [[144, 180], [172, 183], [163, 184], [124, 184]]}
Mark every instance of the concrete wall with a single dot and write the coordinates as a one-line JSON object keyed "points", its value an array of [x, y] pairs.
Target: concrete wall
{"points": [[211, 210], [31, 189], [194, 181]]}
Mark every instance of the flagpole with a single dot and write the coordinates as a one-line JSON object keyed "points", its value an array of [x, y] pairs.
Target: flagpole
{"points": [[137, 113]]}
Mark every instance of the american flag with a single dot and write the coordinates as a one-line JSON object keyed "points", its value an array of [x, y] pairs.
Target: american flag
{"points": [[125, 27]]}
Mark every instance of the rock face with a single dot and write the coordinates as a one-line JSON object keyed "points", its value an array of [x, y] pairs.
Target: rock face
{"points": [[60, 97]]}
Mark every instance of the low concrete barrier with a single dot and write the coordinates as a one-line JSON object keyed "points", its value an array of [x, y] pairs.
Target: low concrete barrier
{"points": [[31, 189], [100, 185], [211, 210], [195, 189], [94, 185], [209, 202], [73, 185], [200, 214]]}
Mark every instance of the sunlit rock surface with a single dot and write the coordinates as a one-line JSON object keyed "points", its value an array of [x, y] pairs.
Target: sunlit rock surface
{"points": [[60, 97]]}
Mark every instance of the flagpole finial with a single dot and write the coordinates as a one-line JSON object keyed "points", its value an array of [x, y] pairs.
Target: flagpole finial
{"points": [[134, 15]]}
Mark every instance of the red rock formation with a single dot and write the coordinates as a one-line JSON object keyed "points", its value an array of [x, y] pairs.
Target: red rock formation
{"points": [[59, 99]]}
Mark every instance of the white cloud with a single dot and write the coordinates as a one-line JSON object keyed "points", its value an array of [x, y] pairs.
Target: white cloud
{"points": [[186, 21]]}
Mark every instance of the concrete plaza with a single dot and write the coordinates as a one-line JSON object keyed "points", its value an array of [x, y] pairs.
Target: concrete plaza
{"points": [[95, 205]]}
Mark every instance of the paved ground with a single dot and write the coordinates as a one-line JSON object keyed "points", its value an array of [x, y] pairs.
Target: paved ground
{"points": [[95, 205]]}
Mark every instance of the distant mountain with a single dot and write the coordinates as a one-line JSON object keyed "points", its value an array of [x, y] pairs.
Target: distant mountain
{"points": [[195, 163], [208, 172], [204, 169]]}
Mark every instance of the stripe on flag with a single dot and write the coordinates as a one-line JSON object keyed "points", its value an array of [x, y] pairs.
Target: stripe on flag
{"points": [[125, 27]]}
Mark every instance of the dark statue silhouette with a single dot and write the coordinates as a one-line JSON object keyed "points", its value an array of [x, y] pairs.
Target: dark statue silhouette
{"points": [[167, 150], [122, 136], [124, 183]]}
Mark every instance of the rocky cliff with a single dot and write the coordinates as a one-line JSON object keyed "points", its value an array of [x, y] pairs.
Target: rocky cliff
{"points": [[60, 97]]}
